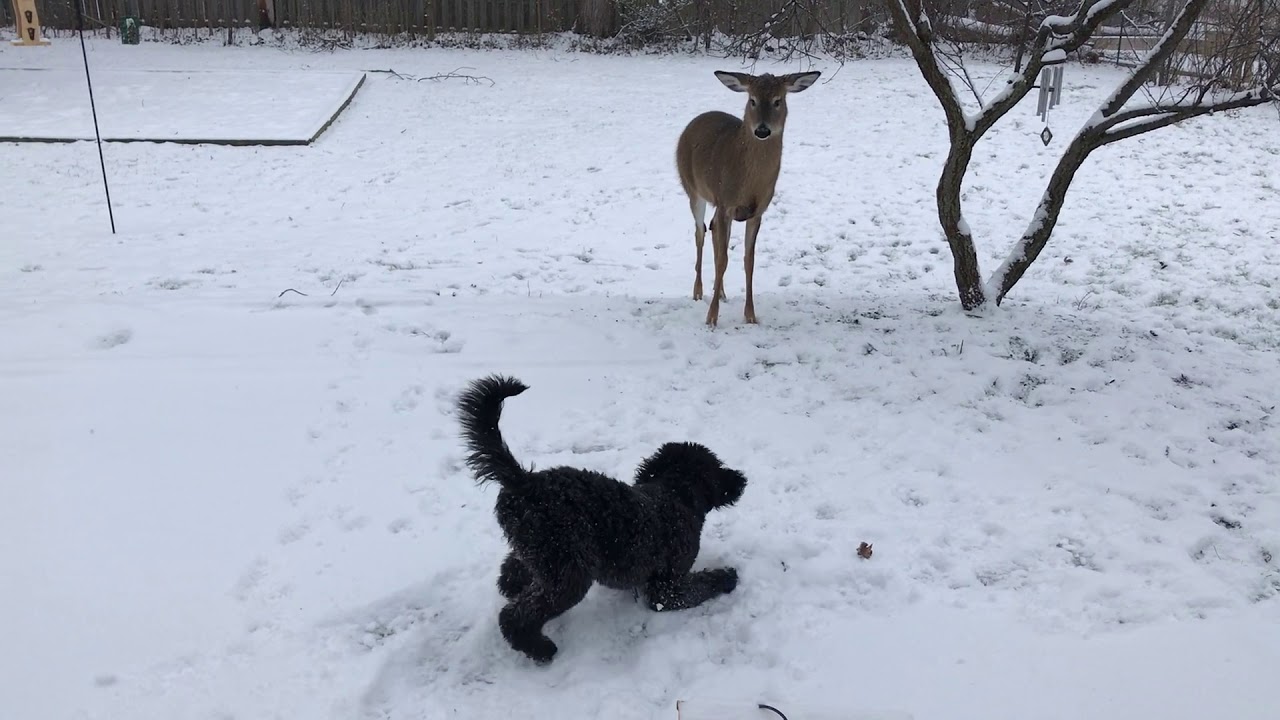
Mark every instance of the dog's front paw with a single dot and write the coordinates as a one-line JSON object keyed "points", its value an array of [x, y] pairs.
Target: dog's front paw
{"points": [[724, 579], [541, 650]]}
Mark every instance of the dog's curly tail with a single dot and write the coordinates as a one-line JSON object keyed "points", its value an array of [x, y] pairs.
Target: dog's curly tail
{"points": [[480, 407]]}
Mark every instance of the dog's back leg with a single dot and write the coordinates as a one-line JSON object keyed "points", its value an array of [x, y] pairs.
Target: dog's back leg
{"points": [[689, 590], [514, 577], [522, 619]]}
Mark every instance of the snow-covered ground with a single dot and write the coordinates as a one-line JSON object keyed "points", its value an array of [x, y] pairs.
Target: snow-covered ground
{"points": [[218, 501], [191, 104]]}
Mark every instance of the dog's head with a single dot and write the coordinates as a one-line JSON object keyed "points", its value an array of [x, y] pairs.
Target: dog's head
{"points": [[694, 474]]}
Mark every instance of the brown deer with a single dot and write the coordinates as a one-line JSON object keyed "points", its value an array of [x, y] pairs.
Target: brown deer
{"points": [[733, 164]]}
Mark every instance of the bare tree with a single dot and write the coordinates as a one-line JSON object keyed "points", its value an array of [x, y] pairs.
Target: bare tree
{"points": [[1209, 90]]}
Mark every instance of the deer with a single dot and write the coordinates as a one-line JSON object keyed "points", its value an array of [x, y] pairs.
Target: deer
{"points": [[733, 164]]}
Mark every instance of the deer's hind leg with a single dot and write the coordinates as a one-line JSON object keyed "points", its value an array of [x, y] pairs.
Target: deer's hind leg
{"points": [[699, 208], [720, 243]]}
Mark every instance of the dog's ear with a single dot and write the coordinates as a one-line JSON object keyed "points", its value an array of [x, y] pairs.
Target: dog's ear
{"points": [[730, 484]]}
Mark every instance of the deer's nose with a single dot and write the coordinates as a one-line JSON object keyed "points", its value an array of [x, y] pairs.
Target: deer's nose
{"points": [[763, 131]]}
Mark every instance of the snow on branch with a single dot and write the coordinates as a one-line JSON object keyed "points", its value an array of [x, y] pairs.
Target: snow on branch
{"points": [[1203, 102], [1147, 119], [898, 8], [1068, 34], [1088, 11]]}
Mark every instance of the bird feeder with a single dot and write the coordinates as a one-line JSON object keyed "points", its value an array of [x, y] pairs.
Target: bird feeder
{"points": [[131, 25], [28, 23], [130, 30]]}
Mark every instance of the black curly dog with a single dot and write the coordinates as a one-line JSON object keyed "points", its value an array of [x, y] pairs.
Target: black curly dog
{"points": [[568, 528]]}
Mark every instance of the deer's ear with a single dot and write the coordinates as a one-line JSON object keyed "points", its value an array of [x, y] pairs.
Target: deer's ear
{"points": [[797, 82], [737, 82]]}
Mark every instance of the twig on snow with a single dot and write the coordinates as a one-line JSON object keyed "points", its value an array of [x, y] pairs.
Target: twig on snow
{"points": [[451, 75]]}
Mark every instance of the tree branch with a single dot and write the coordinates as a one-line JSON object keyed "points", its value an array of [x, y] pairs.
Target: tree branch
{"points": [[919, 37], [953, 61], [452, 75], [1175, 114], [1055, 33], [1070, 33], [1040, 229], [1155, 107], [1165, 47], [1114, 122]]}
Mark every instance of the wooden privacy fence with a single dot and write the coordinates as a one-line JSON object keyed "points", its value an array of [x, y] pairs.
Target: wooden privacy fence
{"points": [[381, 16], [427, 17]]}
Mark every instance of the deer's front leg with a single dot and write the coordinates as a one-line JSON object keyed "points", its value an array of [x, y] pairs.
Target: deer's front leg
{"points": [[749, 264], [723, 296]]}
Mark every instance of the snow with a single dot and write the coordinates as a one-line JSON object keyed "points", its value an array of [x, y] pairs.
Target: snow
{"points": [[730, 710], [223, 501], [188, 104]]}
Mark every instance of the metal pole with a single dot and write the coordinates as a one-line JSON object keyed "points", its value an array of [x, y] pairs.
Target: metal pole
{"points": [[94, 109]]}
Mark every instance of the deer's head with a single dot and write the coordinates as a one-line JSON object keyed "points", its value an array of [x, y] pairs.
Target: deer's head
{"points": [[767, 98]]}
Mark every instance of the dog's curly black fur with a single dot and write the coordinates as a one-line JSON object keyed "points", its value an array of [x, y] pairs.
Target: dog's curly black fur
{"points": [[569, 528]]}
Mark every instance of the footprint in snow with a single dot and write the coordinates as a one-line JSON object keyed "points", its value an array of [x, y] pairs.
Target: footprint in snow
{"points": [[113, 339], [171, 283], [293, 533], [409, 399]]}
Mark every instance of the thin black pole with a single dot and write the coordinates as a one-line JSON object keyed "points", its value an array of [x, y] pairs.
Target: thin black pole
{"points": [[94, 108]]}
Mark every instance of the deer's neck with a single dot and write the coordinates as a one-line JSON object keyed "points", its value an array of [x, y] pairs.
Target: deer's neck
{"points": [[764, 152]]}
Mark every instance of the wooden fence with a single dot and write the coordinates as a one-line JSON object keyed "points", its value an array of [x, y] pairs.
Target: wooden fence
{"points": [[424, 17], [427, 17]]}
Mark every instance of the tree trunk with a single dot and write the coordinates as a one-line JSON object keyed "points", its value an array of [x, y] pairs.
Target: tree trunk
{"points": [[1045, 218], [959, 236], [598, 18]]}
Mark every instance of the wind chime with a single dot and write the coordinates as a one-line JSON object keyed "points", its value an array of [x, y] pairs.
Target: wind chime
{"points": [[1050, 89]]}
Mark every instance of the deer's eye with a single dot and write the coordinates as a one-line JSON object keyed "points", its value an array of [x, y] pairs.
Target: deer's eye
{"points": [[777, 102], [753, 102]]}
